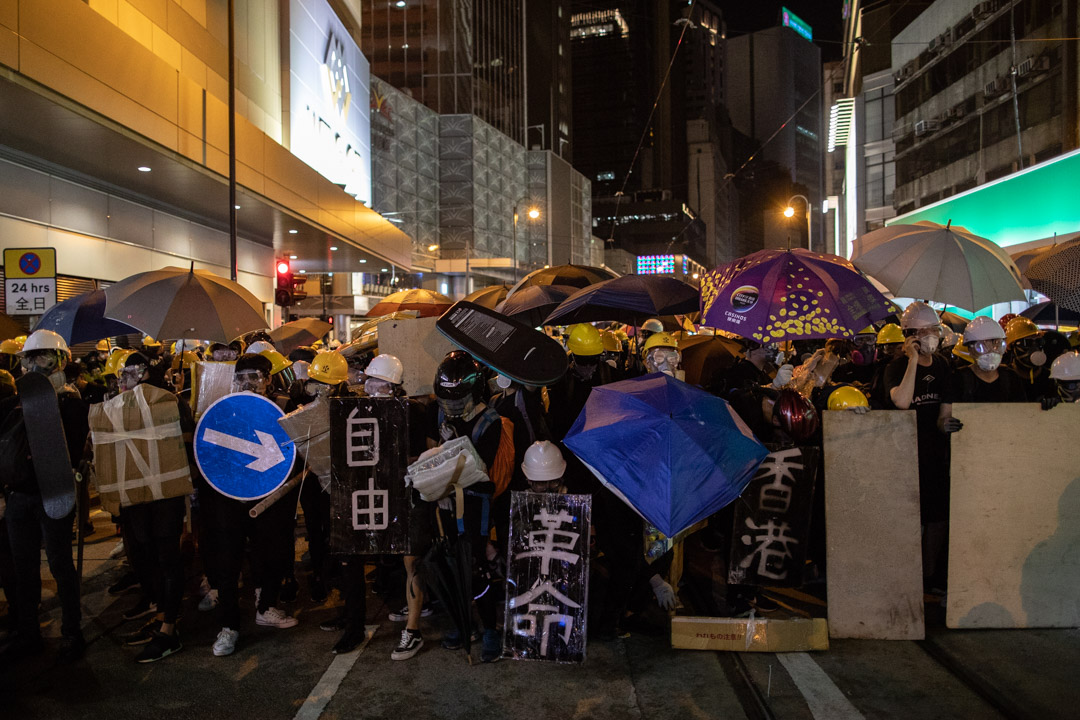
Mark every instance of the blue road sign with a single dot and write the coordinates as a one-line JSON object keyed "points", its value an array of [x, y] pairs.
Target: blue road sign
{"points": [[241, 449]]}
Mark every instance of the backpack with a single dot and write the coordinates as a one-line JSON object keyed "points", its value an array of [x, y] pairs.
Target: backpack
{"points": [[15, 464], [502, 467]]}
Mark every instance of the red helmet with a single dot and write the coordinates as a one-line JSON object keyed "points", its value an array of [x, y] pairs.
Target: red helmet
{"points": [[796, 415], [1005, 319]]}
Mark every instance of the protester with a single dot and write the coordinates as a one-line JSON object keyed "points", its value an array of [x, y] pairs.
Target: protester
{"points": [[9, 357], [1028, 358], [1066, 375], [585, 372], [985, 379], [661, 354]]}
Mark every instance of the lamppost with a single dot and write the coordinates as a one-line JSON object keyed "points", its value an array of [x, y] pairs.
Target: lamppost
{"points": [[533, 214], [789, 211]]}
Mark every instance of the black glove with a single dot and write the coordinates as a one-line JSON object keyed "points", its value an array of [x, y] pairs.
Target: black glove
{"points": [[950, 425], [1050, 401]]}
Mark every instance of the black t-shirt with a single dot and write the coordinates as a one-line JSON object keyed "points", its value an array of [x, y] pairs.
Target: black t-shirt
{"points": [[967, 387]]}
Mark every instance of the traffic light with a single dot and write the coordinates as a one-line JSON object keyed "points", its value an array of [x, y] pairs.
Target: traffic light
{"points": [[284, 294]]}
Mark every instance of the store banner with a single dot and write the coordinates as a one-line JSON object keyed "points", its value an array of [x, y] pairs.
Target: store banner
{"points": [[547, 577], [369, 504], [772, 520]]}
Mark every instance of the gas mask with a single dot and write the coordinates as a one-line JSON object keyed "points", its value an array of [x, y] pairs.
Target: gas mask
{"points": [[375, 387], [224, 355], [1069, 390], [988, 362], [316, 389], [585, 365], [1029, 352], [249, 381], [131, 376], [664, 360], [863, 352], [457, 408], [45, 362]]}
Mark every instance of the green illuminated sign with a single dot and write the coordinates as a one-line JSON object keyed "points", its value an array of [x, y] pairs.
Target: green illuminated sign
{"points": [[1028, 205], [796, 23]]}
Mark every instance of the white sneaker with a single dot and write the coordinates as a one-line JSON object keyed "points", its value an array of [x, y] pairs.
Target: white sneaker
{"points": [[209, 601], [275, 618], [117, 551], [226, 642]]}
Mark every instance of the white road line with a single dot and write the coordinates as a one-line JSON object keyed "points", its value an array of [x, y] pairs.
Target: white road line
{"points": [[329, 683], [826, 701]]}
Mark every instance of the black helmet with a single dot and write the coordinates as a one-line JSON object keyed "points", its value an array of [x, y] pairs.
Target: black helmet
{"points": [[458, 377]]}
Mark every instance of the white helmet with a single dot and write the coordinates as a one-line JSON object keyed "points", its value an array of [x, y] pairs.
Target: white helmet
{"points": [[1066, 367], [543, 462], [259, 346], [45, 340], [653, 325], [919, 315], [983, 328], [385, 367]]}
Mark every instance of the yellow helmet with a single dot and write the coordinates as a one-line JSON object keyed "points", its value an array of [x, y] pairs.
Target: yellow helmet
{"points": [[621, 334], [6, 378], [150, 342], [868, 330], [103, 345], [660, 339], [1019, 328], [277, 361], [846, 397], [329, 367], [961, 351], [585, 340], [184, 360], [21, 339], [889, 334], [116, 361], [11, 347], [611, 342]]}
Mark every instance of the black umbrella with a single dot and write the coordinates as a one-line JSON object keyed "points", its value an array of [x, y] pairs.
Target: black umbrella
{"points": [[489, 296], [1047, 313], [447, 569], [577, 276], [630, 299], [532, 304]]}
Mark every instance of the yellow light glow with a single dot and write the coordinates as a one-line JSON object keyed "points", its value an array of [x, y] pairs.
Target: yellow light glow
{"points": [[789, 211], [534, 213], [432, 248]]}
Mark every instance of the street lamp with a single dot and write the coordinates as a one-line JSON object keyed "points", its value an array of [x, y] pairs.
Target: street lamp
{"points": [[789, 211], [533, 213]]}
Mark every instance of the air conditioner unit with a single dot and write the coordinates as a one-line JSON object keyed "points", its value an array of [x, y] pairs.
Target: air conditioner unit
{"points": [[924, 127], [982, 10], [1025, 67], [991, 88], [946, 38], [957, 112], [934, 45]]}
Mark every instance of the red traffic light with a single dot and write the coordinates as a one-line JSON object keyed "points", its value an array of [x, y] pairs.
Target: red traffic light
{"points": [[282, 267]]}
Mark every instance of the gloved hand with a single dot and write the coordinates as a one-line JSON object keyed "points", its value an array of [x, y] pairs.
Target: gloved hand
{"points": [[950, 425], [1050, 402], [783, 376], [665, 594], [860, 409]]}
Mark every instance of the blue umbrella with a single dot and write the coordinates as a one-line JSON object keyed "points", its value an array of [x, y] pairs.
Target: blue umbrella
{"points": [[673, 452], [81, 319]]}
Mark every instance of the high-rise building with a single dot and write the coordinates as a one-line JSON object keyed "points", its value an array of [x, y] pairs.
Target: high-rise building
{"points": [[455, 56], [549, 77]]}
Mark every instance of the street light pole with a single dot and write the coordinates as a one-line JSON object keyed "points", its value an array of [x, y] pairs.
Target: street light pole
{"points": [[789, 211], [533, 214]]}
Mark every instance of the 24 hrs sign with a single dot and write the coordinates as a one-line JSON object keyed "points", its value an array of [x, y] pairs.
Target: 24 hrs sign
{"points": [[29, 280]]}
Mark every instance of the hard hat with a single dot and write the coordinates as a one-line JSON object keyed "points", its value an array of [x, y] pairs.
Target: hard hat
{"points": [[962, 351], [919, 315], [983, 328], [1003, 321], [150, 342], [6, 378], [330, 368], [660, 339], [543, 462], [102, 345], [796, 415], [10, 347], [1066, 366], [949, 337], [846, 397], [611, 342], [278, 361], [184, 360], [257, 347], [116, 361], [459, 376], [317, 344], [45, 340], [21, 339], [585, 340], [868, 330], [1019, 328], [653, 325], [385, 367], [621, 334], [334, 344], [889, 334]]}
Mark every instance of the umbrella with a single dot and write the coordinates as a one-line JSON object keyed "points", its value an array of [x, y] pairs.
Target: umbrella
{"points": [[1056, 274], [1025, 253], [673, 452], [81, 319], [775, 295], [293, 334], [939, 262], [426, 303], [955, 322], [532, 304], [371, 325], [630, 299], [10, 328], [1047, 313], [577, 276], [178, 303], [489, 296], [706, 356], [447, 570]]}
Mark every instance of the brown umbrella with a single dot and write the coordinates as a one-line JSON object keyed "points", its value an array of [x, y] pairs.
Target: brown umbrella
{"points": [[489, 296], [426, 303], [578, 276], [293, 334], [178, 303], [705, 356]]}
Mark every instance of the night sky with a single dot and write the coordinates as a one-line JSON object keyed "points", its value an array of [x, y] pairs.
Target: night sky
{"points": [[823, 16]]}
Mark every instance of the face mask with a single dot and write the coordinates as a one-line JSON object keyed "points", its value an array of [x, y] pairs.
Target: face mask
{"points": [[1069, 389], [1037, 358], [988, 361], [58, 379], [131, 376], [374, 387], [928, 344]]}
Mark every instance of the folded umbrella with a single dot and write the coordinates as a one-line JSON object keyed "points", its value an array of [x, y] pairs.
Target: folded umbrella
{"points": [[178, 303], [673, 452], [293, 334], [630, 299], [532, 304], [426, 303]]}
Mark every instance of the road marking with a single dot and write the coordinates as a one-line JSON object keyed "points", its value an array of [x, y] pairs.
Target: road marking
{"points": [[328, 684], [824, 698]]}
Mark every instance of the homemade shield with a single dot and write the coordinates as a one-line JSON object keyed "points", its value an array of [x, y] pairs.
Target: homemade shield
{"points": [[369, 451], [547, 576], [673, 452]]}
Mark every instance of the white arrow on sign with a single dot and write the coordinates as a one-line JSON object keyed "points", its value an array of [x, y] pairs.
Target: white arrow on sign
{"points": [[266, 452]]}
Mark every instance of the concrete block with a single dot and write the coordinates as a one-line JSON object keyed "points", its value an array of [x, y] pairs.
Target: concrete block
{"points": [[419, 346]]}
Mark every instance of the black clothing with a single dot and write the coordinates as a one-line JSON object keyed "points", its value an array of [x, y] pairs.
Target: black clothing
{"points": [[967, 387], [569, 395]]}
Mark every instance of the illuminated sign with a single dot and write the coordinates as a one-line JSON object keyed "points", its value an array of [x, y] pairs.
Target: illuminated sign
{"points": [[1032, 204], [656, 265], [329, 129], [796, 23]]}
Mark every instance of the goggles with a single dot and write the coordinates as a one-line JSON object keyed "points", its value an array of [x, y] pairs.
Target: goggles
{"points": [[933, 330], [41, 361], [223, 355], [981, 347]]}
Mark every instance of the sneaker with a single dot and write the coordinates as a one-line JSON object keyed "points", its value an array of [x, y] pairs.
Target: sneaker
{"points": [[318, 589], [410, 644], [143, 635], [209, 601], [403, 614], [117, 551], [289, 591], [452, 639], [336, 624], [71, 649], [128, 581], [274, 618], [226, 642], [349, 641], [141, 610], [161, 646], [491, 651]]}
